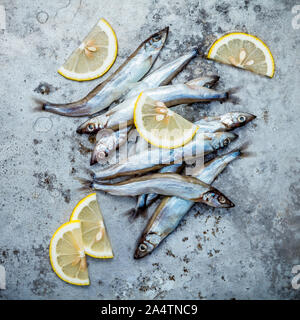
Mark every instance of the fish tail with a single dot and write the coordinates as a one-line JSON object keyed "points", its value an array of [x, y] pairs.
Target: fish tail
{"points": [[215, 78], [89, 172], [231, 97], [40, 104], [48, 106], [86, 185], [197, 51], [93, 160], [134, 213], [129, 213], [242, 150], [73, 109], [245, 153]]}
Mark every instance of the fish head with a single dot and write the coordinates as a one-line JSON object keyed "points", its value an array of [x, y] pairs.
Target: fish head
{"points": [[154, 43], [143, 249], [222, 139], [211, 81], [232, 120], [147, 244], [92, 125], [215, 198], [207, 81], [106, 143]]}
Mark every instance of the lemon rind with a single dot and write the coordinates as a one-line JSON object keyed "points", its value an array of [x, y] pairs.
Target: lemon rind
{"points": [[248, 35], [87, 251], [149, 140], [80, 283], [67, 74]]}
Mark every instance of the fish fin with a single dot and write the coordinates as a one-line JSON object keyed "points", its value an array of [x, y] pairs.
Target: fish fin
{"points": [[86, 185]]}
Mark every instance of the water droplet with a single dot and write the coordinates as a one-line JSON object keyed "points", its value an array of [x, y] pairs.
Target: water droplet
{"points": [[42, 124], [42, 17], [54, 193], [35, 195]]}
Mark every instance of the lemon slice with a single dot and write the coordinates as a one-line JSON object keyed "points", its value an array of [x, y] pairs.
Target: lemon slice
{"points": [[94, 56], [67, 255], [161, 126], [244, 51], [95, 239]]}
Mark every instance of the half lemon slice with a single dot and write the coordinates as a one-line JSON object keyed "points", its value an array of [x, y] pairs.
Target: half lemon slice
{"points": [[244, 51], [161, 126], [95, 239], [67, 255], [94, 56]]}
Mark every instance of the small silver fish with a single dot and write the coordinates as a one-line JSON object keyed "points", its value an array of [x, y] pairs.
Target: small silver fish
{"points": [[164, 74], [169, 184], [156, 158], [145, 200], [130, 72], [108, 141], [224, 122], [171, 210], [122, 115]]}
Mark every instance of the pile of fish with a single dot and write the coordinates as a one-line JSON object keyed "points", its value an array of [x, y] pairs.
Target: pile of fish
{"points": [[152, 173]]}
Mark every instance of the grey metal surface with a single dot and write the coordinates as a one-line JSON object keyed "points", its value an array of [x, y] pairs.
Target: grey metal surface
{"points": [[244, 253]]}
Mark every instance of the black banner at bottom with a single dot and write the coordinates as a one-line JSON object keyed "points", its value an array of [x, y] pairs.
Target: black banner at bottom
{"points": [[127, 309]]}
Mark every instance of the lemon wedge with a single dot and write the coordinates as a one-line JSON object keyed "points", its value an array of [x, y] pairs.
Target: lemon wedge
{"points": [[161, 126], [94, 56], [95, 239], [67, 255], [244, 51]]}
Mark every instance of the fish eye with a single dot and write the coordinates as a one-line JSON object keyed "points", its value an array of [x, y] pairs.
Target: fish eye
{"points": [[241, 118], [156, 38], [91, 127], [142, 247], [226, 142], [222, 199]]}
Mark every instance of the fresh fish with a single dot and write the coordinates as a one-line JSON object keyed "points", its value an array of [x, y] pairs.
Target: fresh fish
{"points": [[122, 115], [169, 184], [108, 141], [225, 122], [164, 74], [130, 72], [145, 200], [171, 210], [222, 123], [155, 158]]}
